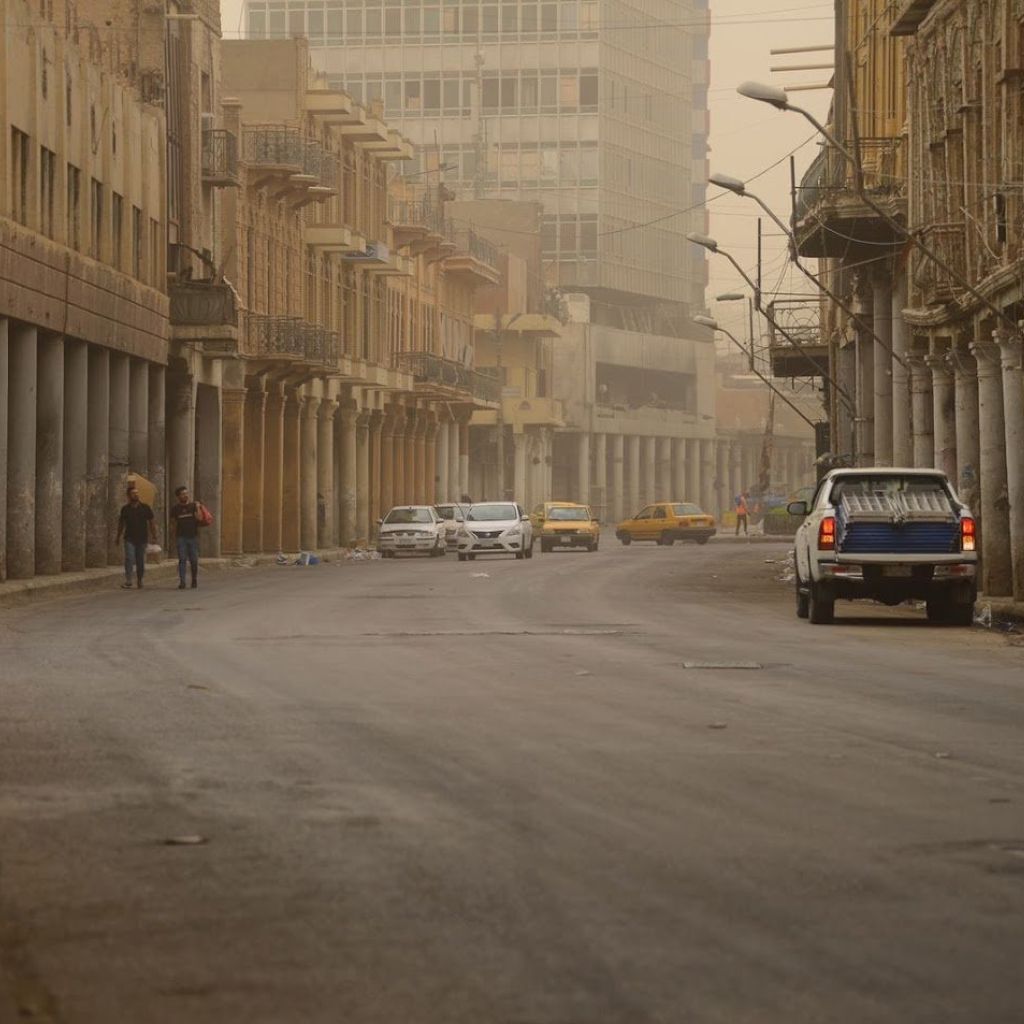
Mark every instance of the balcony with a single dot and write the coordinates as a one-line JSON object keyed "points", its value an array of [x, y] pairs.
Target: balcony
{"points": [[282, 155], [950, 241], [833, 221], [205, 312], [333, 238], [909, 15], [446, 379], [475, 260], [292, 340], [801, 320], [220, 158], [417, 223]]}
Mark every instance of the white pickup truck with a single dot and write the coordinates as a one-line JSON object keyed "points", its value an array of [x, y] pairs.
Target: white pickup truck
{"points": [[890, 535]]}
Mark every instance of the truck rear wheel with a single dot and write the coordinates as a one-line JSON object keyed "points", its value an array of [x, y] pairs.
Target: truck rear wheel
{"points": [[821, 605], [803, 601]]}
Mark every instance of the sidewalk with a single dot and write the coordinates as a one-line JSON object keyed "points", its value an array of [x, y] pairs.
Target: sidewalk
{"points": [[13, 592], [1004, 609], [754, 538]]}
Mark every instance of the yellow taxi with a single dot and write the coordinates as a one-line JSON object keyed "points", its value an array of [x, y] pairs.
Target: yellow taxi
{"points": [[565, 524], [665, 522]]}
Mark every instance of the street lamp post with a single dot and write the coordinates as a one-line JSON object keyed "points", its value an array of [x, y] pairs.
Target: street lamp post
{"points": [[779, 98], [739, 188]]}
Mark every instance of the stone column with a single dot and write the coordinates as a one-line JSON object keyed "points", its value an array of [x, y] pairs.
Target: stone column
{"points": [[412, 422], [865, 387], [618, 502], [157, 439], [721, 479], [1013, 419], [138, 417], [649, 466], [430, 461], [254, 467], [117, 473], [521, 457], [664, 487], [583, 467], [348, 413], [398, 487], [181, 449], [97, 458], [882, 363], [455, 460], [309, 474], [902, 444], [968, 443], [327, 533], [707, 473], [49, 452], [464, 419], [922, 431], [233, 443], [291, 490], [209, 452], [996, 568], [633, 473], [4, 407], [943, 414], [419, 476], [601, 475], [75, 455], [376, 463], [363, 530], [21, 452], [387, 464], [679, 469], [273, 468], [735, 473], [443, 462], [692, 471]]}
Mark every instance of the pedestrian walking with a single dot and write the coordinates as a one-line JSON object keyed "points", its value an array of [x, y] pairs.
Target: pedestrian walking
{"points": [[742, 512], [136, 525], [185, 521]]}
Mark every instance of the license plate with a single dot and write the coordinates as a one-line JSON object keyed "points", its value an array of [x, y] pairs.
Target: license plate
{"points": [[902, 571], [565, 540]]}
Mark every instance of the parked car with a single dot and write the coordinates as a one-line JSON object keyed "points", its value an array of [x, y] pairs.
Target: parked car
{"points": [[666, 522], [565, 525], [454, 515], [495, 527], [890, 535], [411, 529], [540, 513]]}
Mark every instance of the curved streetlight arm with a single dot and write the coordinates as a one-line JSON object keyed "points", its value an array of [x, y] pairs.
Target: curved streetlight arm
{"points": [[902, 229], [847, 397], [750, 356], [788, 232]]}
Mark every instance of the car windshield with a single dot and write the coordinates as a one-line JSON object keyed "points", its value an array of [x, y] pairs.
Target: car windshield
{"points": [[687, 509], [408, 515], [569, 515], [492, 513]]}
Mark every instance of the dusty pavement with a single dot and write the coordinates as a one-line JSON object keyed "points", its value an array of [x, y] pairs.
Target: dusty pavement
{"points": [[432, 796]]}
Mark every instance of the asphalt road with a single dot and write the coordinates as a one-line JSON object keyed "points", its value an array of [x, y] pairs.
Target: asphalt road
{"points": [[432, 796]]}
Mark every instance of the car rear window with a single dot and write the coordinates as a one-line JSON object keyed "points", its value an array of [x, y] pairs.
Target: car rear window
{"points": [[687, 509]]}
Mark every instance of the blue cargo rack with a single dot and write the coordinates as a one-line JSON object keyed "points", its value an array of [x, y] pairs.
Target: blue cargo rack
{"points": [[904, 523]]}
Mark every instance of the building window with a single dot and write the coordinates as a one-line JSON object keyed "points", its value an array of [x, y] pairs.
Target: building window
{"points": [[116, 229], [72, 206], [154, 253], [19, 176], [47, 185], [136, 243], [96, 219]]}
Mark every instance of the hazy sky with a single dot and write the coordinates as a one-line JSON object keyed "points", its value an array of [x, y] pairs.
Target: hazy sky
{"points": [[746, 137]]}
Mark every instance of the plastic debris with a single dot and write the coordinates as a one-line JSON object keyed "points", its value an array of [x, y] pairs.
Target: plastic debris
{"points": [[192, 840], [480, 576], [582, 672], [306, 558], [942, 755], [718, 725], [361, 555], [983, 616], [281, 558]]}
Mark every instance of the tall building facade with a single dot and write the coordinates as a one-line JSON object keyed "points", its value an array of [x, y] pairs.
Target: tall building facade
{"points": [[597, 109]]}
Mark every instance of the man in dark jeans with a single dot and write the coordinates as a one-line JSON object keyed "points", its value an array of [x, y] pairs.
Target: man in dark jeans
{"points": [[136, 525], [184, 516]]}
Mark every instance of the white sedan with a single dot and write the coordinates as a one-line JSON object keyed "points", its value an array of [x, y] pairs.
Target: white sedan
{"points": [[495, 528], [411, 529]]}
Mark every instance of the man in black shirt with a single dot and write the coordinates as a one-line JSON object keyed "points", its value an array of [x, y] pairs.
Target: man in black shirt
{"points": [[136, 525], [185, 522]]}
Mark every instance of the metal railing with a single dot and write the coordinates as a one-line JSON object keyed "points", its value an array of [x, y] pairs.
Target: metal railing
{"points": [[274, 146], [416, 213], [219, 154], [468, 241], [950, 240], [433, 369], [275, 337], [830, 173], [322, 347]]}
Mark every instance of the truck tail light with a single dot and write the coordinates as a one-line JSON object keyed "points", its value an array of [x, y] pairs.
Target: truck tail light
{"points": [[968, 535], [827, 534]]}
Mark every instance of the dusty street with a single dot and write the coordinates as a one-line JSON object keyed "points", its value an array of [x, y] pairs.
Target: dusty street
{"points": [[437, 797]]}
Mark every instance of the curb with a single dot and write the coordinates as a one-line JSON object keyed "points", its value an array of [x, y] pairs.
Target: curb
{"points": [[21, 592]]}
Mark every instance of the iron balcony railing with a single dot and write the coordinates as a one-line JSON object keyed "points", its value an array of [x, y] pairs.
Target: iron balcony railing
{"points": [[275, 337], [416, 213], [274, 146], [219, 155], [482, 250], [433, 369], [322, 347]]}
